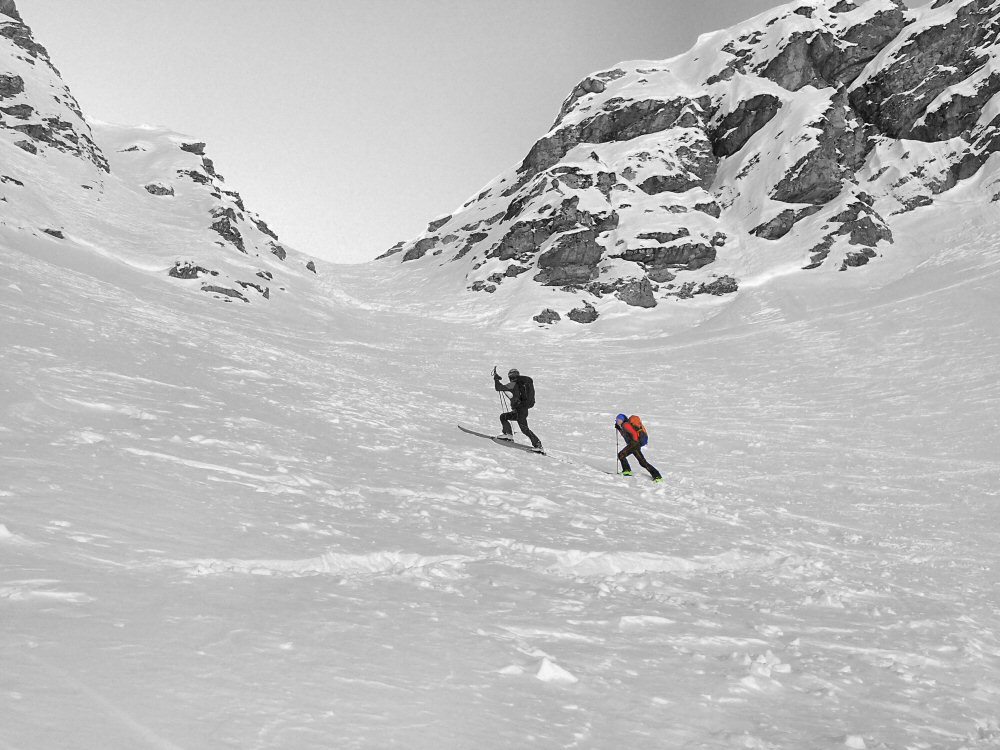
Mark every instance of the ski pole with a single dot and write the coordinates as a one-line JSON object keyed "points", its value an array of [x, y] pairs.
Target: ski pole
{"points": [[617, 467], [501, 394]]}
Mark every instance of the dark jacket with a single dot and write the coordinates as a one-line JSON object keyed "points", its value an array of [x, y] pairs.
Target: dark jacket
{"points": [[628, 432], [513, 388]]}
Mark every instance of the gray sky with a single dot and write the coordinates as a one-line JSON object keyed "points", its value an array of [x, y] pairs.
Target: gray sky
{"points": [[349, 124]]}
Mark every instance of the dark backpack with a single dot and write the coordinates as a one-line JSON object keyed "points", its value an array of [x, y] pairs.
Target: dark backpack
{"points": [[526, 388]]}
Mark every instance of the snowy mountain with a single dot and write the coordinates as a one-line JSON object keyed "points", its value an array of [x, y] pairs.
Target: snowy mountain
{"points": [[257, 526], [796, 140], [160, 206]]}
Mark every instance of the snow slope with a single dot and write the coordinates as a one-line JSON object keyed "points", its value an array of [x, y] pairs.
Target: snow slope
{"points": [[255, 526]]}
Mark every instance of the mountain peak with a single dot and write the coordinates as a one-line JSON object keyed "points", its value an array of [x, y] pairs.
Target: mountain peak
{"points": [[8, 8], [793, 140], [148, 197], [34, 100]]}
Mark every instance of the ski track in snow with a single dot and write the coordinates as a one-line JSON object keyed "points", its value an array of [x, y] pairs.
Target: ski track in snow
{"points": [[278, 527]]}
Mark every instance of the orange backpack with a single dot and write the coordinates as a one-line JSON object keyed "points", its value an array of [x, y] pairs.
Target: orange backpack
{"points": [[640, 429]]}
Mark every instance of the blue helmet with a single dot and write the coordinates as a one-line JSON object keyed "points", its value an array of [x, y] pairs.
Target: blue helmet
{"points": [[621, 417]]}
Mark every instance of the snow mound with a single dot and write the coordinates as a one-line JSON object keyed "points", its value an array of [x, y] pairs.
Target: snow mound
{"points": [[341, 565]]}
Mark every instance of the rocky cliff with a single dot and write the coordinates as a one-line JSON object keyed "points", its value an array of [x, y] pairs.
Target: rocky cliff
{"points": [[796, 139], [149, 197]]}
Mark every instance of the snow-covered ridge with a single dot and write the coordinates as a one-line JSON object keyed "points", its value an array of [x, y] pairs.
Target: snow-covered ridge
{"points": [[792, 141], [146, 197]]}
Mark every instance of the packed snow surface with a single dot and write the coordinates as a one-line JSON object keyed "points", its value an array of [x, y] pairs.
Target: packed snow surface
{"points": [[256, 526]]}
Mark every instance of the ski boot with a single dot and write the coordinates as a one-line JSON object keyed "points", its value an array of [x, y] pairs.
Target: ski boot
{"points": [[627, 473], [505, 436]]}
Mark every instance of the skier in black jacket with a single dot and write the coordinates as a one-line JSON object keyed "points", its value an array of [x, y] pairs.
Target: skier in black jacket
{"points": [[519, 404]]}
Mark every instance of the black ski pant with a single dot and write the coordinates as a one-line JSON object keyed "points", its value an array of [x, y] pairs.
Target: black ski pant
{"points": [[521, 417], [634, 449]]}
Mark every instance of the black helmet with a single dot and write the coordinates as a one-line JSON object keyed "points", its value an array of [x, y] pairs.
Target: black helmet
{"points": [[512, 373]]}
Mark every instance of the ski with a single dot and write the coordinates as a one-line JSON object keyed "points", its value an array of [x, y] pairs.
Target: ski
{"points": [[529, 449], [508, 443]]}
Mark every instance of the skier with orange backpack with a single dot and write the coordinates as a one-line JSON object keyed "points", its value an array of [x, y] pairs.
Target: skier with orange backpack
{"points": [[632, 429]]}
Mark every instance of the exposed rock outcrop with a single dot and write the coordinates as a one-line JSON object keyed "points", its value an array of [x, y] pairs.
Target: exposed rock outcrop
{"points": [[689, 255], [637, 294], [189, 270], [547, 316], [619, 122], [226, 225], [420, 249], [791, 133], [7, 8], [720, 286], [859, 224], [157, 189], [900, 93], [51, 116], [150, 178], [740, 125], [839, 152], [585, 314], [782, 224], [825, 59], [224, 292], [10, 85], [572, 259]]}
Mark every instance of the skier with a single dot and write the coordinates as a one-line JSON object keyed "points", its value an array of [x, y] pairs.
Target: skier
{"points": [[635, 437], [522, 397]]}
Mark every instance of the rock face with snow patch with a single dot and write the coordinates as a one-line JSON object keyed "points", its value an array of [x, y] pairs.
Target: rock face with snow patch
{"points": [[38, 110], [59, 171], [795, 137]]}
